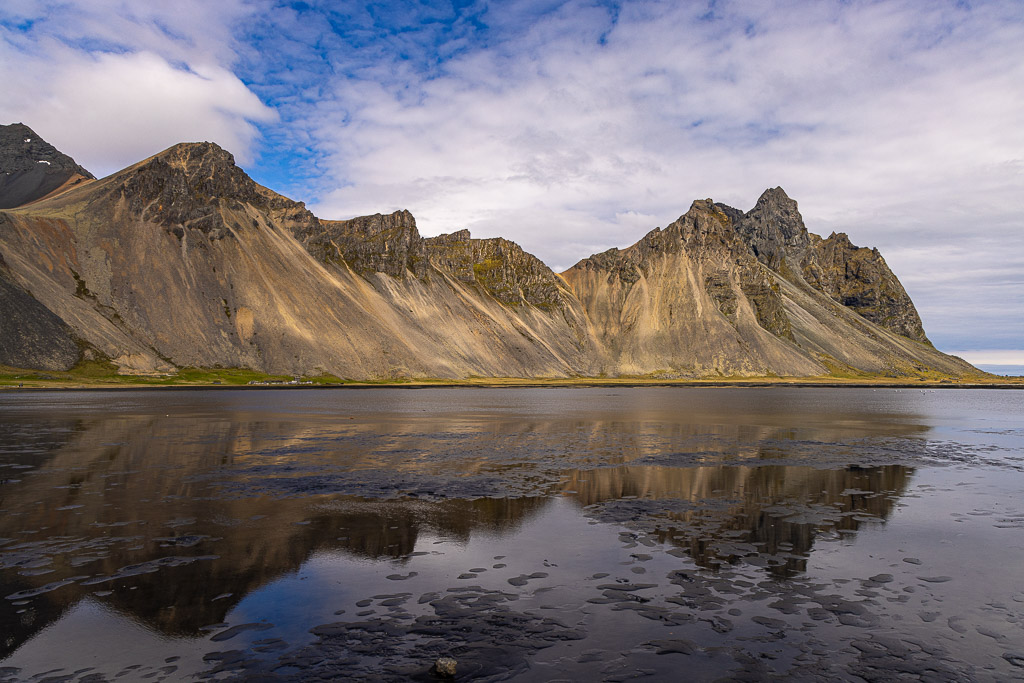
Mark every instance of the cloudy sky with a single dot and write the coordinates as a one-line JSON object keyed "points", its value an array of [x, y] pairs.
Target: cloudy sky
{"points": [[574, 126]]}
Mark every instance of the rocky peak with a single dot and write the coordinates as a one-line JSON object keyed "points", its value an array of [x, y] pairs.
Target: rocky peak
{"points": [[452, 237], [499, 266], [367, 226], [391, 244], [708, 224], [199, 160], [841, 240], [381, 243], [191, 186], [733, 215], [31, 168], [860, 279], [201, 169], [774, 229]]}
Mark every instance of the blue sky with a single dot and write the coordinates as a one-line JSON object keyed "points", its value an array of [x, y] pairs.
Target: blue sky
{"points": [[571, 127]]}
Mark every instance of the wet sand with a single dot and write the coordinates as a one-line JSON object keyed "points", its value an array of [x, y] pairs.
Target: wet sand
{"points": [[530, 534]]}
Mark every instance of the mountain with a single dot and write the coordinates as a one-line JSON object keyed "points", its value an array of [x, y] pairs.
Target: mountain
{"points": [[31, 168], [182, 260], [724, 292], [31, 335]]}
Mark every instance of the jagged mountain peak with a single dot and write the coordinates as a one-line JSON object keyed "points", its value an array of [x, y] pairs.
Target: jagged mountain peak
{"points": [[391, 244], [704, 221], [193, 156], [377, 223], [773, 233], [379, 243], [255, 280], [190, 185], [450, 237], [31, 168], [774, 194], [209, 169], [775, 230], [708, 208], [775, 206], [499, 266]]}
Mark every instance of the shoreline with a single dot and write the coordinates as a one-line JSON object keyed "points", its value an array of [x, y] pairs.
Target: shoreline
{"points": [[513, 383]]}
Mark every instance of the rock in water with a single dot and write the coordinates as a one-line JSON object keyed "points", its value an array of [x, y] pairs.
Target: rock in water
{"points": [[445, 666]]}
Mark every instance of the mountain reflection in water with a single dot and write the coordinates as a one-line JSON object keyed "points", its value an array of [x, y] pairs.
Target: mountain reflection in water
{"points": [[770, 515], [172, 508]]}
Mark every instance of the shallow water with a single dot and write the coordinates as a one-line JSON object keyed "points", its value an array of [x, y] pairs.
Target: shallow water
{"points": [[533, 534]]}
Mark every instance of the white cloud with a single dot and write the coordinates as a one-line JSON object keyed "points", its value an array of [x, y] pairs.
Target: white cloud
{"points": [[109, 110], [181, 31], [111, 83], [992, 356]]}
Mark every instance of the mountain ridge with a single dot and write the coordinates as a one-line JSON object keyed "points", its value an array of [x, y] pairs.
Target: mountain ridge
{"points": [[183, 260], [31, 168]]}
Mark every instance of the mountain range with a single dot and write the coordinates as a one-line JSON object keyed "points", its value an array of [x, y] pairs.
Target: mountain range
{"points": [[182, 260]]}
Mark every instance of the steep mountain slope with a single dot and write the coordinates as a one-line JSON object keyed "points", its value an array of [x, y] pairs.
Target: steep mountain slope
{"points": [[860, 279], [31, 168], [183, 260], [720, 291], [855, 277], [32, 336]]}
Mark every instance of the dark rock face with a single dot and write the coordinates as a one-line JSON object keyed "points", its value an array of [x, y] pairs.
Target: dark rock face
{"points": [[31, 336], [376, 244], [774, 229], [720, 290], [860, 279], [391, 244], [190, 185], [765, 297], [500, 267], [30, 167], [712, 229]]}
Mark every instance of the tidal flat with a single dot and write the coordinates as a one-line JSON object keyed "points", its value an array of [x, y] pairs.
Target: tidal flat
{"points": [[598, 533]]}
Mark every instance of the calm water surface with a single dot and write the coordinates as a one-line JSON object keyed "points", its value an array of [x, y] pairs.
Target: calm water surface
{"points": [[531, 534]]}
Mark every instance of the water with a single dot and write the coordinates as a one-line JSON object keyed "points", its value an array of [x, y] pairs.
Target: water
{"points": [[531, 534]]}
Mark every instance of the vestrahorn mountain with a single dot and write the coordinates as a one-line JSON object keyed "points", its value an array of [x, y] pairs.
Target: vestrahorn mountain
{"points": [[182, 260]]}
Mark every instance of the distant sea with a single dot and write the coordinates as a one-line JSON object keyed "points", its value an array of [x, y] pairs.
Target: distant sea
{"points": [[1008, 370]]}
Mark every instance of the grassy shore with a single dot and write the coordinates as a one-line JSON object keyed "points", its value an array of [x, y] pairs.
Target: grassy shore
{"points": [[105, 376]]}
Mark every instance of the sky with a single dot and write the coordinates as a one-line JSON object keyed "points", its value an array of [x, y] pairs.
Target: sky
{"points": [[574, 126]]}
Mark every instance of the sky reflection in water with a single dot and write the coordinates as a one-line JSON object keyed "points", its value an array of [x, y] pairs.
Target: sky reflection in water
{"points": [[142, 527]]}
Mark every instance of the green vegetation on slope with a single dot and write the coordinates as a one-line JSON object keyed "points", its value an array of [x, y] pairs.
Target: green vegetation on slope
{"points": [[97, 374]]}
